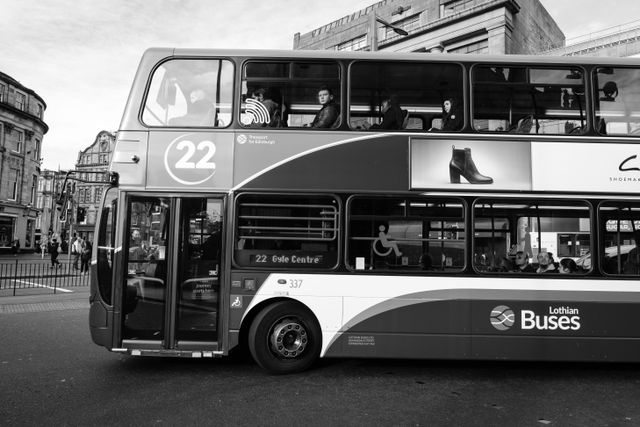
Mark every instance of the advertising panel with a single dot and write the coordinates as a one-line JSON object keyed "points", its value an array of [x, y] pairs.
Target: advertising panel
{"points": [[589, 167], [476, 165], [524, 165]]}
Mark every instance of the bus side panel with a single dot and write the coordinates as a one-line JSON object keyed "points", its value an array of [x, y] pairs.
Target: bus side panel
{"points": [[100, 319], [405, 327], [130, 158], [577, 349], [579, 326]]}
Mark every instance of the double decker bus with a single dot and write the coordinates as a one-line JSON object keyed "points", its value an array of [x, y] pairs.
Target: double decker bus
{"points": [[270, 199]]}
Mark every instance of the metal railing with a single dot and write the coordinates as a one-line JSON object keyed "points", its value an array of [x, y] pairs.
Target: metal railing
{"points": [[18, 274]]}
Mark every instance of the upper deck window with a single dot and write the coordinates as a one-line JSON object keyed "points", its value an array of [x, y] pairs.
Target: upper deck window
{"points": [[406, 95], [190, 93], [529, 100], [287, 94], [617, 101]]}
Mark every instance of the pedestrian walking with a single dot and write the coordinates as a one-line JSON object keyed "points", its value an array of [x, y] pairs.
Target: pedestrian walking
{"points": [[76, 251], [43, 247]]}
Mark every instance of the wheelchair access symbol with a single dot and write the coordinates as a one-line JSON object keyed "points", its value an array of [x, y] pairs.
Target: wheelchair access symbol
{"points": [[387, 244], [237, 303]]}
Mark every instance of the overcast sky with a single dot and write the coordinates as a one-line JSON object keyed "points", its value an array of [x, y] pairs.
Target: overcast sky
{"points": [[81, 56]]}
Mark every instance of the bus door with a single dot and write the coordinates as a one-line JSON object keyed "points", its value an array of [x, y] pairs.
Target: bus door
{"points": [[173, 262]]}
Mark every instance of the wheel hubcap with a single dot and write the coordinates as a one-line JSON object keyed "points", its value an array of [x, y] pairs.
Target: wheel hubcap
{"points": [[289, 338]]}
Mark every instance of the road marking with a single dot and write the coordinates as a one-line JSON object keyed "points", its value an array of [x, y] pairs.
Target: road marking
{"points": [[43, 286]]}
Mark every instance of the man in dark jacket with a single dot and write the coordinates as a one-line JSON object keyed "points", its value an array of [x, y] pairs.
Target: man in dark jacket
{"points": [[393, 116], [328, 114]]}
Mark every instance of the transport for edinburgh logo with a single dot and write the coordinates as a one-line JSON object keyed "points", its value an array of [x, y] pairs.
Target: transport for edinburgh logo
{"points": [[502, 318]]}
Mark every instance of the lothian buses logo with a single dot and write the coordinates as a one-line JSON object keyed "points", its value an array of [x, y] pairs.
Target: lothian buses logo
{"points": [[502, 318]]}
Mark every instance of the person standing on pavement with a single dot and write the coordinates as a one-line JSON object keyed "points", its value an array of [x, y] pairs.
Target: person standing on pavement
{"points": [[76, 251], [43, 247], [53, 251], [85, 257]]}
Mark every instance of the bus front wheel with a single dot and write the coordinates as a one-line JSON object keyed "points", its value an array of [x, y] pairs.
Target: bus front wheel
{"points": [[285, 338]]}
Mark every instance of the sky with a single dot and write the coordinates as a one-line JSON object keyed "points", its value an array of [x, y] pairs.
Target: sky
{"points": [[81, 56]]}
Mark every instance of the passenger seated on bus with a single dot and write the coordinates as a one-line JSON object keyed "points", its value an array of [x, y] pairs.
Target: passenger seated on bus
{"points": [[328, 116], [546, 263], [567, 266], [632, 264], [265, 97], [572, 129], [426, 263], [452, 118], [601, 126], [200, 111], [524, 125], [393, 117], [522, 263], [506, 265]]}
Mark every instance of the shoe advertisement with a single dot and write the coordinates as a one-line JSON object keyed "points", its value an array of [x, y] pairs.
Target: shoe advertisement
{"points": [[457, 164]]}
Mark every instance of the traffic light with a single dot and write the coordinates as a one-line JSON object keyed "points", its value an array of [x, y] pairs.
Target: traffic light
{"points": [[80, 213]]}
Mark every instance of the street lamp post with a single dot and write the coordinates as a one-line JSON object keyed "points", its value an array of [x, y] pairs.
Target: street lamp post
{"points": [[373, 30]]}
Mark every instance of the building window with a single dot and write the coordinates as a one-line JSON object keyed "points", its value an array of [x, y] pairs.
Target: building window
{"points": [[40, 111], [7, 227], [98, 194], [40, 202], [13, 184], [3, 92], [21, 101], [36, 150], [17, 142], [353, 44], [34, 186], [28, 234]]}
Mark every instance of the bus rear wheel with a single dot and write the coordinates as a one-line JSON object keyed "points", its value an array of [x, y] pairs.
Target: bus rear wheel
{"points": [[284, 338]]}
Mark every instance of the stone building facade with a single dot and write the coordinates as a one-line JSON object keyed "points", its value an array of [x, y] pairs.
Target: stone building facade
{"points": [[22, 128], [454, 26], [92, 165], [83, 195]]}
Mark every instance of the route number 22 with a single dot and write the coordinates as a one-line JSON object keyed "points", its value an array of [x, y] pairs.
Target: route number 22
{"points": [[186, 161]]}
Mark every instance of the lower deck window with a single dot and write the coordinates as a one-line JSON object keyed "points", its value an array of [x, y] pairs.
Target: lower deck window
{"points": [[620, 228], [531, 237], [402, 234], [294, 231]]}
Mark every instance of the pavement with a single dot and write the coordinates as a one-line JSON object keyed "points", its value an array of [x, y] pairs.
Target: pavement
{"points": [[41, 299], [68, 297]]}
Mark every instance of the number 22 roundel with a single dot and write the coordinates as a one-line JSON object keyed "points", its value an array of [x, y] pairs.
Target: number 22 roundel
{"points": [[189, 160]]}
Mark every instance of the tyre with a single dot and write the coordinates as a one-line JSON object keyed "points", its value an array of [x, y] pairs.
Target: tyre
{"points": [[285, 338]]}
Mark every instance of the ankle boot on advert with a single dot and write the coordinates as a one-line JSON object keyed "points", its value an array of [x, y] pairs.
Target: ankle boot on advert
{"points": [[462, 164]]}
